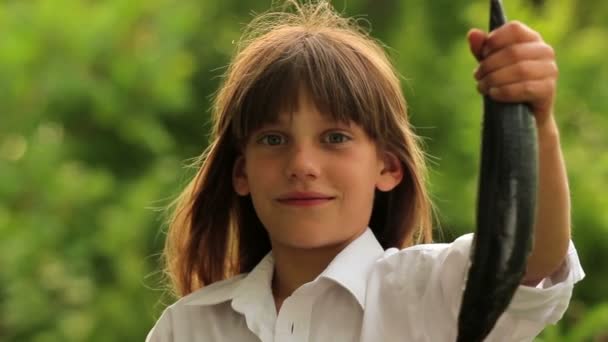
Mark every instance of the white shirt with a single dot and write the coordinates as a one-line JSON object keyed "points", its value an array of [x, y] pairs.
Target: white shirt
{"points": [[366, 294]]}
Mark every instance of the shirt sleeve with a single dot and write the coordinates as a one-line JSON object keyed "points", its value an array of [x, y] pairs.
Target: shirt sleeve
{"points": [[530, 310]]}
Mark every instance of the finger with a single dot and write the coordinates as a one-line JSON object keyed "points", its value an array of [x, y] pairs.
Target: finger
{"points": [[533, 92], [519, 72], [511, 33], [476, 38], [514, 54]]}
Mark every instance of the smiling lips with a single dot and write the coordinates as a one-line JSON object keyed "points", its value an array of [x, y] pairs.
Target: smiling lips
{"points": [[304, 199]]}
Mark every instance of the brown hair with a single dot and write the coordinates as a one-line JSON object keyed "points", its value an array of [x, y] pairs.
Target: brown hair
{"points": [[214, 233]]}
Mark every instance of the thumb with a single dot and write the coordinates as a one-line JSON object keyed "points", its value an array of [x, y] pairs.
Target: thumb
{"points": [[476, 39]]}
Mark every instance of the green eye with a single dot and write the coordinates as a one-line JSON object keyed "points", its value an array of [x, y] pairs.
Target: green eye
{"points": [[336, 138], [272, 139]]}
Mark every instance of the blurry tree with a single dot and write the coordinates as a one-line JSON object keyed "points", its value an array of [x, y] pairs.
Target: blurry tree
{"points": [[102, 103], [97, 107]]}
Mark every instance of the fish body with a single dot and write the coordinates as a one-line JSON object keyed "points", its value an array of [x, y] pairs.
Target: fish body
{"points": [[505, 212]]}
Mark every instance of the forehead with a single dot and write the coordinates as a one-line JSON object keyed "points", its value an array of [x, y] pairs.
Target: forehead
{"points": [[304, 105]]}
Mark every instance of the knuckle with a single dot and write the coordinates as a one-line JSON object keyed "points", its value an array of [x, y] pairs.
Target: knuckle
{"points": [[522, 70], [515, 24], [522, 31], [517, 27], [489, 44], [528, 89], [514, 52], [481, 70], [489, 79], [505, 92], [513, 91], [550, 51], [552, 85], [554, 68]]}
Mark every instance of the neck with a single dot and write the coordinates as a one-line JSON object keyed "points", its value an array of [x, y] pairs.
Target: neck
{"points": [[295, 267]]}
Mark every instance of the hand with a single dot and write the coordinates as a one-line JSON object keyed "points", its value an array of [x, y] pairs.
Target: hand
{"points": [[516, 65]]}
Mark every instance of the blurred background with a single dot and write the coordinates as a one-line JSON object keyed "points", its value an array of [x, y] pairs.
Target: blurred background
{"points": [[104, 103]]}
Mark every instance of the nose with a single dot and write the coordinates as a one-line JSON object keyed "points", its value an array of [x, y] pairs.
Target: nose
{"points": [[302, 162]]}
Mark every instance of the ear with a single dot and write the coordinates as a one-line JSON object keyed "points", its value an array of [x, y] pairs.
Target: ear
{"points": [[391, 172], [239, 177]]}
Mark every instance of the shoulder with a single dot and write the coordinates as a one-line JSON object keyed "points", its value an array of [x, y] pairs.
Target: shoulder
{"points": [[186, 313], [431, 251], [215, 293], [425, 268], [420, 259]]}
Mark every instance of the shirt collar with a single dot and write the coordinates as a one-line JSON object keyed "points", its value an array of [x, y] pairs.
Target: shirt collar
{"points": [[349, 269], [255, 281], [250, 294]]}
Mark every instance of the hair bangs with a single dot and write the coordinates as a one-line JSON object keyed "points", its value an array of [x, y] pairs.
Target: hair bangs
{"points": [[339, 81], [273, 92]]}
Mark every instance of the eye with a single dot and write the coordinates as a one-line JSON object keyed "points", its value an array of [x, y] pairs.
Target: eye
{"points": [[271, 139], [336, 138]]}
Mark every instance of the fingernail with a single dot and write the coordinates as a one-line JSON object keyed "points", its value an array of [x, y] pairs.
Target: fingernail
{"points": [[493, 91]]}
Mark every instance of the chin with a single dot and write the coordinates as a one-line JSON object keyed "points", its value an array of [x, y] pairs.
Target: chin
{"points": [[308, 238]]}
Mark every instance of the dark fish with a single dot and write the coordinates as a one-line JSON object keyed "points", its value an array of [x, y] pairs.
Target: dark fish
{"points": [[505, 211]]}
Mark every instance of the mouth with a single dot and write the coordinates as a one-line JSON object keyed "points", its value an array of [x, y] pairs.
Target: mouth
{"points": [[304, 199]]}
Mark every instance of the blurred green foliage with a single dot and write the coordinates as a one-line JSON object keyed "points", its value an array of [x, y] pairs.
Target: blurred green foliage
{"points": [[102, 103]]}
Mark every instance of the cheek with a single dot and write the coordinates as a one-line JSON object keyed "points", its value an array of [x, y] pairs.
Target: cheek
{"points": [[262, 172], [355, 175]]}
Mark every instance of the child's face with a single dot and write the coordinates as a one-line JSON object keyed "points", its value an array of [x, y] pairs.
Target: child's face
{"points": [[312, 180]]}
